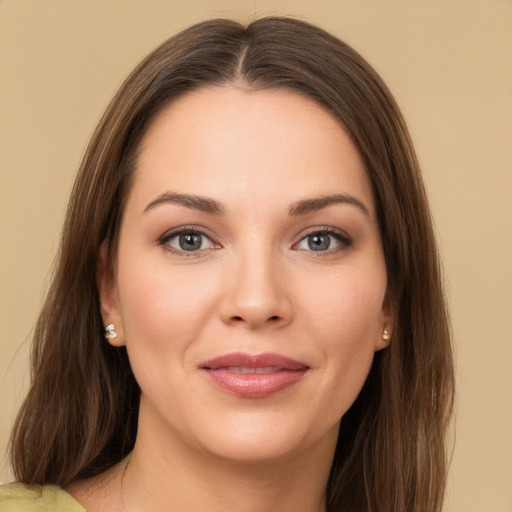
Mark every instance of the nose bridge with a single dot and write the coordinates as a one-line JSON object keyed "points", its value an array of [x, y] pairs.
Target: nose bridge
{"points": [[257, 294]]}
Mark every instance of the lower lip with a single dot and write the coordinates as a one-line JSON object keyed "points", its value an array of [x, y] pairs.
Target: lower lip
{"points": [[255, 385]]}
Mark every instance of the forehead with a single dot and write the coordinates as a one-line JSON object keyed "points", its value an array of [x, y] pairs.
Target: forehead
{"points": [[228, 143]]}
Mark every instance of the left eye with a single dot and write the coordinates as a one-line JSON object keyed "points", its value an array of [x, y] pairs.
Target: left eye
{"points": [[189, 241], [322, 241]]}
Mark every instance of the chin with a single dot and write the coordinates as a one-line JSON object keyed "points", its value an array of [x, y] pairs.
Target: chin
{"points": [[263, 440]]}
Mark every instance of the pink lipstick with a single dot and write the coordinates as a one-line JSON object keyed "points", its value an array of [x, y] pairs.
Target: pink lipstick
{"points": [[254, 376]]}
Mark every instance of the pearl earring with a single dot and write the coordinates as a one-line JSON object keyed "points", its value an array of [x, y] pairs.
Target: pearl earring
{"points": [[385, 335], [110, 332]]}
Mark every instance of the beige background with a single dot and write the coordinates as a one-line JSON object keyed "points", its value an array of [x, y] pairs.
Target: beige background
{"points": [[449, 64]]}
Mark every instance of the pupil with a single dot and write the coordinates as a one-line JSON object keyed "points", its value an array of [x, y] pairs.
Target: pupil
{"points": [[190, 241], [319, 242]]}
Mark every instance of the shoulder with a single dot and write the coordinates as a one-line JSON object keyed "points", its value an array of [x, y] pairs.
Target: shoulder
{"points": [[18, 497]]}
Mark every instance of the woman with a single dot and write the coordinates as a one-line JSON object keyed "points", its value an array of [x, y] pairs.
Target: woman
{"points": [[247, 310]]}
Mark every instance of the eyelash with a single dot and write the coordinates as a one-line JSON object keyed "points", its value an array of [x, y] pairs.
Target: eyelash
{"points": [[164, 240], [340, 236]]}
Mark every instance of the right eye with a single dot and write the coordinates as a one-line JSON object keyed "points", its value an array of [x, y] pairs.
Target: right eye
{"points": [[187, 241]]}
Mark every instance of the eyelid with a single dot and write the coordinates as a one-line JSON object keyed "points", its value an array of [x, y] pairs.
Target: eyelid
{"points": [[174, 232], [339, 234], [342, 237]]}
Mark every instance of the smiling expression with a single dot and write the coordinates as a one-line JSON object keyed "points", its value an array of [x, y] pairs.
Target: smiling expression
{"points": [[250, 283]]}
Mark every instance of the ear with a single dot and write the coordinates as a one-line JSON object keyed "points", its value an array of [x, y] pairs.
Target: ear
{"points": [[107, 289], [386, 323]]}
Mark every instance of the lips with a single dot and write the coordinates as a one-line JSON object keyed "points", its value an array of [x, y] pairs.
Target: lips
{"points": [[253, 376]]}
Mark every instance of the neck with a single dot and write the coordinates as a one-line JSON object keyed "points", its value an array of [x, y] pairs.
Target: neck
{"points": [[165, 474]]}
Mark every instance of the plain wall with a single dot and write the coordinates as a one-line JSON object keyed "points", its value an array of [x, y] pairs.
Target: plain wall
{"points": [[448, 63]]}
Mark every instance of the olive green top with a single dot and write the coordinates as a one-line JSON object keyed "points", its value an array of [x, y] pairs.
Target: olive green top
{"points": [[17, 497]]}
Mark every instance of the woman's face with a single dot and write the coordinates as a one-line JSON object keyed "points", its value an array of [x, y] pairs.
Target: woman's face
{"points": [[250, 281]]}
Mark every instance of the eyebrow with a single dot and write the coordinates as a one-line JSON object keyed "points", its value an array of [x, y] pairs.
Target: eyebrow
{"points": [[204, 204], [302, 207], [313, 205]]}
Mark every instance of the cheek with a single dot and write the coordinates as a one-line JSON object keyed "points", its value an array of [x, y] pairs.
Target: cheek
{"points": [[163, 313], [348, 307], [346, 322]]}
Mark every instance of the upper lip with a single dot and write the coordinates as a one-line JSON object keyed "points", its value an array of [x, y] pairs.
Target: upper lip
{"points": [[244, 360]]}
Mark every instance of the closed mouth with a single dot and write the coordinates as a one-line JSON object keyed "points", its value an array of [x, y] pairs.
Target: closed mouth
{"points": [[253, 376]]}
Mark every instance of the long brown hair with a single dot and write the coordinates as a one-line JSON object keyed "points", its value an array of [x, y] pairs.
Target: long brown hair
{"points": [[80, 415]]}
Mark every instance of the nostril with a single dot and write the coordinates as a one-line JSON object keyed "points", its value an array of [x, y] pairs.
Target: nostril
{"points": [[274, 318]]}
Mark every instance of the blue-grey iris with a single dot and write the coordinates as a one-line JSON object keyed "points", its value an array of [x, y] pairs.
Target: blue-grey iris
{"points": [[190, 241], [319, 242]]}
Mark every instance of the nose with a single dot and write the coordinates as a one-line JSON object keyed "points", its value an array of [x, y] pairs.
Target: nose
{"points": [[257, 294]]}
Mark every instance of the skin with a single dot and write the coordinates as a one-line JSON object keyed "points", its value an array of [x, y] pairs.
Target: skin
{"points": [[255, 286]]}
